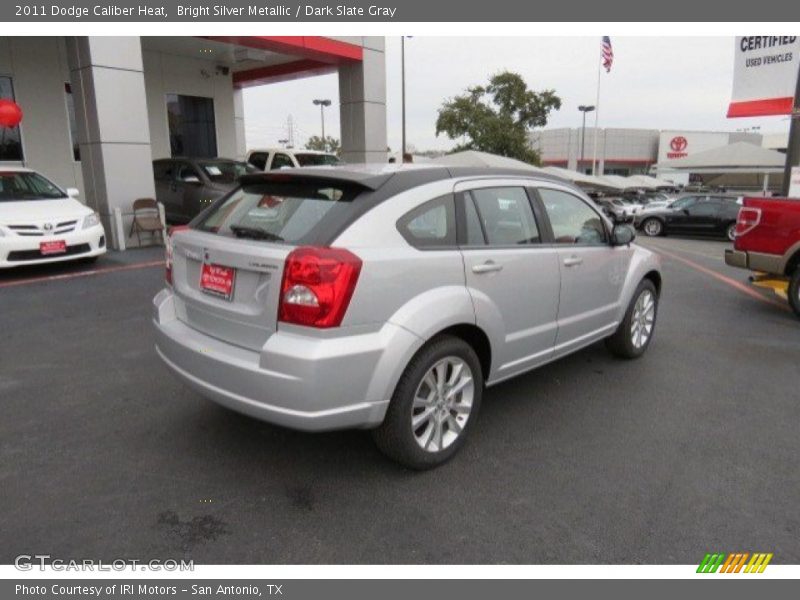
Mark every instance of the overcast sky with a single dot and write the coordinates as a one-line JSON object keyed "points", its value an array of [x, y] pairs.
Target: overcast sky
{"points": [[659, 83]]}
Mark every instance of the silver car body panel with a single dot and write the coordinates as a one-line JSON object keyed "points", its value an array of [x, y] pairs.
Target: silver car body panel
{"points": [[545, 302]]}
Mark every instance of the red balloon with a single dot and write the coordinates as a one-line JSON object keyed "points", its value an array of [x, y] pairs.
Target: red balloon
{"points": [[10, 113]]}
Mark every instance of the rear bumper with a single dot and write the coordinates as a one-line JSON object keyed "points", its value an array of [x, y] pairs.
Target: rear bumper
{"points": [[755, 261], [306, 383], [83, 243]]}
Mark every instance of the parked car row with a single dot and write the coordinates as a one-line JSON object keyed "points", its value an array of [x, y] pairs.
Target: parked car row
{"points": [[626, 207], [705, 215]]}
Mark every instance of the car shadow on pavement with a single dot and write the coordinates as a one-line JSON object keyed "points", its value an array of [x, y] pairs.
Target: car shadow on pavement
{"points": [[109, 260], [520, 404]]}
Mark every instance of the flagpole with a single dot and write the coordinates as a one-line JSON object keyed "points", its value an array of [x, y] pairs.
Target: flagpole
{"points": [[596, 119]]}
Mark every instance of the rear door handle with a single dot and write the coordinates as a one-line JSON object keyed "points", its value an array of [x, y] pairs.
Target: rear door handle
{"points": [[487, 267], [573, 261]]}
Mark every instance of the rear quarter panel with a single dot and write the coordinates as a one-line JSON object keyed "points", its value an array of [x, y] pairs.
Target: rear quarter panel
{"points": [[415, 289], [421, 291]]}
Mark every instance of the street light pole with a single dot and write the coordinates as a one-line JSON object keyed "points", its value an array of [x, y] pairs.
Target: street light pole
{"points": [[793, 145], [403, 91], [322, 103], [584, 109]]}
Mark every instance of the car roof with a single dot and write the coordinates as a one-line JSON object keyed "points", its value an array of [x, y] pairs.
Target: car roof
{"points": [[198, 159], [403, 176], [4, 169], [289, 151]]}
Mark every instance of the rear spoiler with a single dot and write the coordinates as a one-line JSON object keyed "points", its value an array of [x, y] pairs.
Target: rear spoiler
{"points": [[340, 178]]}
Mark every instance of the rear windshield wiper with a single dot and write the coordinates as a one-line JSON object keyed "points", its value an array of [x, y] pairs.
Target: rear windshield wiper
{"points": [[255, 233]]}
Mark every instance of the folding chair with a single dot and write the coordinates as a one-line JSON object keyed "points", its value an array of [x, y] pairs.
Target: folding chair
{"points": [[146, 219]]}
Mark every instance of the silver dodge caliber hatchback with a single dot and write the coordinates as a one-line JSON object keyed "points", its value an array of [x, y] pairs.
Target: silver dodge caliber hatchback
{"points": [[388, 297]]}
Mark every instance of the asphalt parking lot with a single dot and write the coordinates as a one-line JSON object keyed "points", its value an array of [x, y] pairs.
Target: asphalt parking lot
{"points": [[693, 448]]}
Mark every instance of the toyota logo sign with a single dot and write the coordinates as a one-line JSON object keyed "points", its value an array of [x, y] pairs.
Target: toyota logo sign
{"points": [[678, 145]]}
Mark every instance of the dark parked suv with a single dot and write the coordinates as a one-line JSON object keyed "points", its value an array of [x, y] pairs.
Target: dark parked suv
{"points": [[186, 186], [693, 215]]}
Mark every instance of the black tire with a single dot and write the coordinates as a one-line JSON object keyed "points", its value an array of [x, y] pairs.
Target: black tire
{"points": [[794, 291], [730, 231], [654, 223], [395, 436], [621, 343]]}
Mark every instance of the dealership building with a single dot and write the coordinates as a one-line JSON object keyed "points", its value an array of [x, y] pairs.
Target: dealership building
{"points": [[99, 110], [635, 151]]}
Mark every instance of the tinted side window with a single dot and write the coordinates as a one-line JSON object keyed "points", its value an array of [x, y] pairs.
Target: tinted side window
{"points": [[186, 170], [258, 160], [431, 225], [162, 170], [686, 202], [573, 221], [279, 161], [474, 229], [705, 208], [506, 216]]}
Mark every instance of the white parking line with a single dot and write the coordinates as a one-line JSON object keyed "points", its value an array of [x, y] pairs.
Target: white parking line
{"points": [[63, 276], [679, 248]]}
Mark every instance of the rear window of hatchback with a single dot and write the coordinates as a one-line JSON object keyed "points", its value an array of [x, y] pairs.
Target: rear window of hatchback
{"points": [[293, 212]]}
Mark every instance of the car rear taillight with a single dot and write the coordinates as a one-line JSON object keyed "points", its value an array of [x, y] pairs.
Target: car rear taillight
{"points": [[317, 286], [168, 262], [168, 252], [747, 220]]}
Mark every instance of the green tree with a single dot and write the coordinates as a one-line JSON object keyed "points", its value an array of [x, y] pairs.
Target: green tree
{"points": [[329, 144], [498, 117]]}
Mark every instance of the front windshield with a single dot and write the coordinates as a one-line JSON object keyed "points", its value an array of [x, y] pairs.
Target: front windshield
{"points": [[16, 186], [225, 171], [317, 160]]}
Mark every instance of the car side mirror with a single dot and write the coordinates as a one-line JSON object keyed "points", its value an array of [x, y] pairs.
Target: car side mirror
{"points": [[191, 179], [619, 219], [622, 235], [73, 193]]}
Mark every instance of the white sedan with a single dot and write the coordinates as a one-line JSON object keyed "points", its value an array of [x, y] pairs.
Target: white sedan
{"points": [[41, 223]]}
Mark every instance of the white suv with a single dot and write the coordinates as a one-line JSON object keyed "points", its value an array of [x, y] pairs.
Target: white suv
{"points": [[272, 159]]}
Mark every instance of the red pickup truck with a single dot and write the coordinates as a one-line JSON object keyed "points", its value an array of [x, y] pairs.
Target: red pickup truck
{"points": [[768, 240]]}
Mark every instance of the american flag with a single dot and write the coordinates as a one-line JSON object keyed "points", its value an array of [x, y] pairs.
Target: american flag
{"points": [[608, 53]]}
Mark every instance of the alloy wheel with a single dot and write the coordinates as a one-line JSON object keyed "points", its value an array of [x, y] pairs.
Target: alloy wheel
{"points": [[643, 319], [442, 404], [652, 227]]}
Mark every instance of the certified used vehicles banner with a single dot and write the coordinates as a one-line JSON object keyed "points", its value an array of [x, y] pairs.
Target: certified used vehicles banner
{"points": [[765, 75]]}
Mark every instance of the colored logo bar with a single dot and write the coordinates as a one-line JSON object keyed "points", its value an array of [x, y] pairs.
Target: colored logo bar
{"points": [[734, 562]]}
